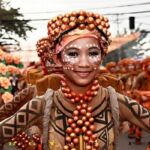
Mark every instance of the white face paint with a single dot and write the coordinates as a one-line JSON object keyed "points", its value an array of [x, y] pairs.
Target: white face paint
{"points": [[72, 54], [81, 59]]}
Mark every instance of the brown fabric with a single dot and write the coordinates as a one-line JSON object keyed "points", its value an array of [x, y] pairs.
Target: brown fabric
{"points": [[107, 79], [19, 100], [115, 111], [50, 81], [142, 82]]}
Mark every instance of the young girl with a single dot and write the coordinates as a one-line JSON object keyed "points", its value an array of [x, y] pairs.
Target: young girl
{"points": [[80, 114]]}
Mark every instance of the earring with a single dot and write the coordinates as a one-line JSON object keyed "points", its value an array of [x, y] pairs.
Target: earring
{"points": [[95, 68]]}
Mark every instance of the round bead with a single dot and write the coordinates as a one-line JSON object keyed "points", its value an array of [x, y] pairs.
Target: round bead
{"points": [[88, 93], [72, 135], [84, 118], [65, 20], [84, 105], [88, 114], [97, 22], [84, 129], [72, 24], [75, 112], [91, 120], [96, 145], [100, 27], [90, 20], [94, 136], [70, 120], [71, 145], [75, 140], [77, 130], [69, 130], [90, 98], [95, 93], [77, 99], [75, 118], [81, 18], [73, 100], [89, 133], [80, 122], [72, 18], [63, 27], [88, 147], [91, 26], [86, 138], [66, 147], [53, 26], [68, 139], [81, 95], [83, 111], [107, 25], [78, 107], [89, 109], [58, 23], [83, 13], [81, 26], [73, 94], [92, 127], [85, 97], [106, 19], [73, 125], [87, 123]]}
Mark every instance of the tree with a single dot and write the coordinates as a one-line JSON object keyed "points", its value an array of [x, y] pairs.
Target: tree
{"points": [[12, 23]]}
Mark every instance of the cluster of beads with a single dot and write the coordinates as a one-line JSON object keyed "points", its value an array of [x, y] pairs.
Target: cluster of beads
{"points": [[22, 140], [81, 122], [86, 20], [43, 47], [43, 51]]}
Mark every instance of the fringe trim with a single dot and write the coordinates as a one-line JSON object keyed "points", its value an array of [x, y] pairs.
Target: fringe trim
{"points": [[46, 119], [115, 112]]}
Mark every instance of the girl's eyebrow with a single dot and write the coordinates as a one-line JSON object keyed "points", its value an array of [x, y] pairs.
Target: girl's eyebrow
{"points": [[73, 46], [71, 49], [94, 47]]}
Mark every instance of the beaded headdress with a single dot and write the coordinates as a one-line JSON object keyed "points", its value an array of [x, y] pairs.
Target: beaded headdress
{"points": [[73, 25]]}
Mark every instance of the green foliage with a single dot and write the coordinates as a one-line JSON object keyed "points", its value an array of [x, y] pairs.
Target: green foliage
{"points": [[12, 22], [20, 65]]}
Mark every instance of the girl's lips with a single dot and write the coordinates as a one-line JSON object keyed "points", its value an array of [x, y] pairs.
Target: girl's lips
{"points": [[83, 74]]}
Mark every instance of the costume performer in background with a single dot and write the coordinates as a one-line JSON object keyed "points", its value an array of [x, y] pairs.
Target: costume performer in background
{"points": [[80, 114]]}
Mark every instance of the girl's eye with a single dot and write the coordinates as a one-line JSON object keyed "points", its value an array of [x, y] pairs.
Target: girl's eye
{"points": [[94, 53], [72, 54]]}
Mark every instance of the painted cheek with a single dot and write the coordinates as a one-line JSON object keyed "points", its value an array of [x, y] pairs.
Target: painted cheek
{"points": [[70, 60], [95, 60]]}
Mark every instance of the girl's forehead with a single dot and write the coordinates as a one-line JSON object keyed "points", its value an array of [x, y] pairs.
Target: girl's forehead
{"points": [[83, 42]]}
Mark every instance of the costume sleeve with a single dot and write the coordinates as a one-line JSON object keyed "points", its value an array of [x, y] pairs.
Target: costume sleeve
{"points": [[132, 111], [137, 84], [18, 101], [27, 116]]}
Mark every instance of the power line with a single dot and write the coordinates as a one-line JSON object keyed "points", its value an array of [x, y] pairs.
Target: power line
{"points": [[109, 14], [95, 8]]}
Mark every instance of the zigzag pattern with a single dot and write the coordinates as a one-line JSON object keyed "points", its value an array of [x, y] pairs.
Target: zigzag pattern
{"points": [[137, 109], [24, 118], [19, 100]]}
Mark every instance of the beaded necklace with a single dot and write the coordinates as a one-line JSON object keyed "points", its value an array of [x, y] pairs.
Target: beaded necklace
{"points": [[81, 125]]}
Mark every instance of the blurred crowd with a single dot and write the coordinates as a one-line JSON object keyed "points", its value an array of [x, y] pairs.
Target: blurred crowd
{"points": [[135, 77]]}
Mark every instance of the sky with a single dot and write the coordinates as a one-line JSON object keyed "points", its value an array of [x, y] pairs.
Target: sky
{"points": [[46, 9]]}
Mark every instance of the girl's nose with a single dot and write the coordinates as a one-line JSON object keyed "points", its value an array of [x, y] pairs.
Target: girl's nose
{"points": [[83, 61]]}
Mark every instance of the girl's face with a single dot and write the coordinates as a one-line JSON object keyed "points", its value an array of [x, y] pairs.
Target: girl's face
{"points": [[81, 60]]}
